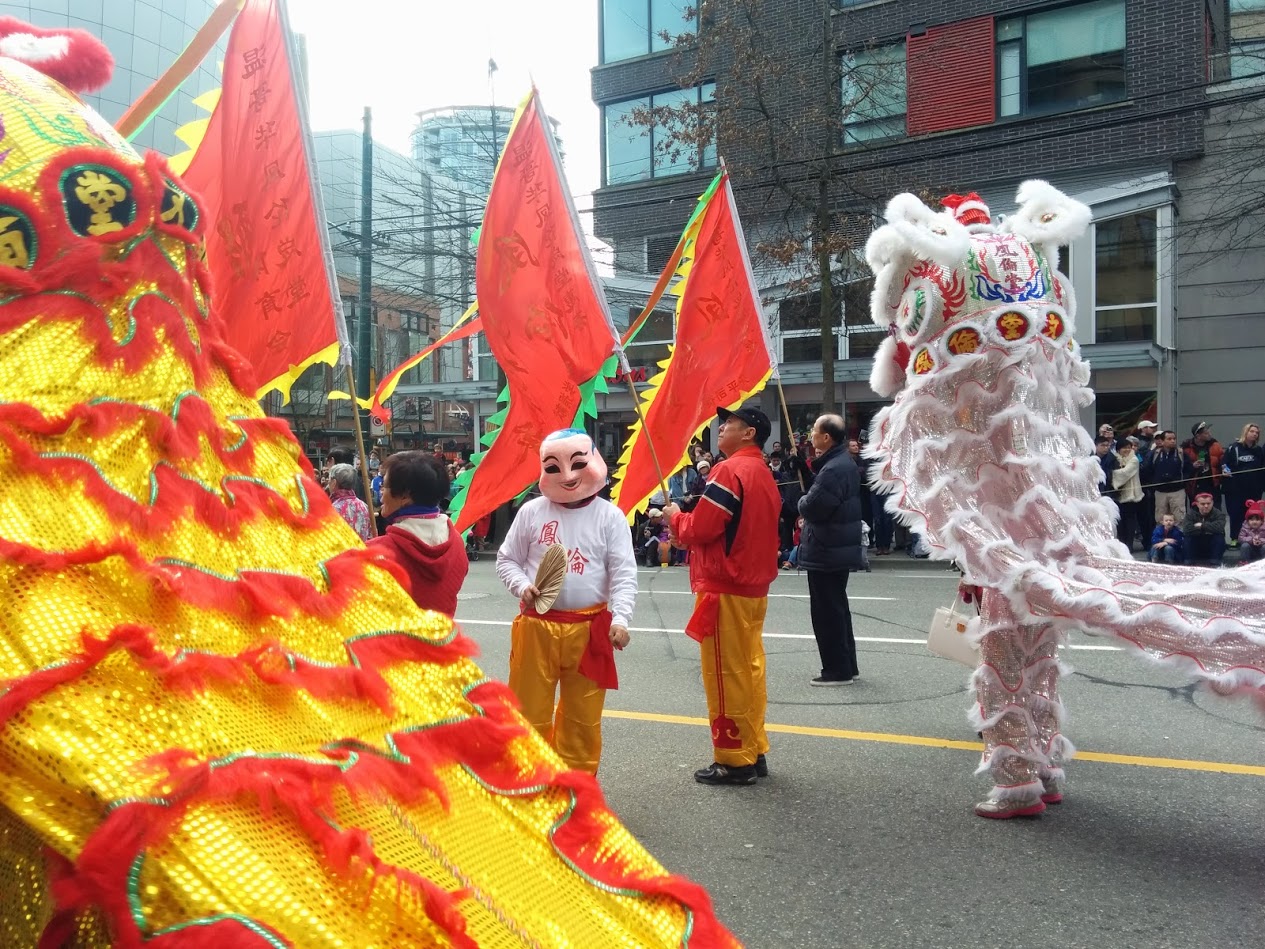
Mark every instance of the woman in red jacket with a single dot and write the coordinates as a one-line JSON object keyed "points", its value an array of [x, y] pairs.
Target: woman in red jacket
{"points": [[420, 540]]}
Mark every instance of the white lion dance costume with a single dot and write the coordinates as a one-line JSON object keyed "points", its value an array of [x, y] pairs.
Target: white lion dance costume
{"points": [[983, 453]]}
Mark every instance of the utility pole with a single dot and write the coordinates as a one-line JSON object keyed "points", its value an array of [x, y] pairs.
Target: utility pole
{"points": [[496, 147], [826, 313], [364, 341]]}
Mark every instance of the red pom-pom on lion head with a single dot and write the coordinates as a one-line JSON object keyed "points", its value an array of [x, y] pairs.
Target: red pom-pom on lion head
{"points": [[75, 58]]}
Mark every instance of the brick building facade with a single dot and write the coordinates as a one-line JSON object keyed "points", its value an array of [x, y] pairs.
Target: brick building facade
{"points": [[1107, 99]]}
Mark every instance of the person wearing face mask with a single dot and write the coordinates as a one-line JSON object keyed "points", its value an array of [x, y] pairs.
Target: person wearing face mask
{"points": [[562, 661]]}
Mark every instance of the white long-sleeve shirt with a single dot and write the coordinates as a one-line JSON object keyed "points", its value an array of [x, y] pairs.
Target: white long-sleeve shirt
{"points": [[601, 567]]}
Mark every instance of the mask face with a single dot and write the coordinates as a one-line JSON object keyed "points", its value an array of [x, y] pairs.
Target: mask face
{"points": [[570, 467]]}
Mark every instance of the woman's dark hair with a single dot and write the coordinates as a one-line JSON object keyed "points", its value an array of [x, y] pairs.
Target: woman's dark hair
{"points": [[417, 475]]}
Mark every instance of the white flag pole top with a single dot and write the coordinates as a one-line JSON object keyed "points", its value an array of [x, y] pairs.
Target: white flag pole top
{"points": [[318, 203], [598, 291], [746, 266]]}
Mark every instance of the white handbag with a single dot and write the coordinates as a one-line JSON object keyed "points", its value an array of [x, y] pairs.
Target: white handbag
{"points": [[947, 637]]}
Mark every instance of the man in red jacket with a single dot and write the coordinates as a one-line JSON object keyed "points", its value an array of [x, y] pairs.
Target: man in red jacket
{"points": [[732, 534], [420, 539]]}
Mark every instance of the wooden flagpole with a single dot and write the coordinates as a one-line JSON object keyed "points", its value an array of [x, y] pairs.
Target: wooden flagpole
{"points": [[790, 435], [360, 449]]}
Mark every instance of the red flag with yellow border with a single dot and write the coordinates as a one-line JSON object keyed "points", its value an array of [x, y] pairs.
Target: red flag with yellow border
{"points": [[721, 357], [267, 251], [544, 314]]}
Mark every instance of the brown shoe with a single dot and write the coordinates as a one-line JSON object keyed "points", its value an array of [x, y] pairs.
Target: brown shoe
{"points": [[1005, 810]]}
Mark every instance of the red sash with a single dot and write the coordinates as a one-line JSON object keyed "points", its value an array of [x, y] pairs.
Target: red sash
{"points": [[598, 662], [705, 618]]}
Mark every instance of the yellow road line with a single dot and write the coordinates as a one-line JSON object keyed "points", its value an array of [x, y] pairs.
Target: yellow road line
{"points": [[1140, 761]]}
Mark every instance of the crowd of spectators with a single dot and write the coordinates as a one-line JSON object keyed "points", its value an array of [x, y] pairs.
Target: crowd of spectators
{"points": [[1185, 502]]}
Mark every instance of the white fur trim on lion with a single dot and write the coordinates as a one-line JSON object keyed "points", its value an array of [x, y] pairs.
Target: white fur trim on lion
{"points": [[1046, 216]]}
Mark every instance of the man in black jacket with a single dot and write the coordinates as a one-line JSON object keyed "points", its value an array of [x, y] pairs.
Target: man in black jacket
{"points": [[1166, 469], [830, 547]]}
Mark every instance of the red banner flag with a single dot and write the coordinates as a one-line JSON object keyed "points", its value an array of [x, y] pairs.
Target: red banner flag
{"points": [[460, 330], [544, 314], [721, 357], [268, 251]]}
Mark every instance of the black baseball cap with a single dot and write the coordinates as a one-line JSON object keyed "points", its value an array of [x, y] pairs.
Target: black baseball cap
{"points": [[1199, 427], [754, 418]]}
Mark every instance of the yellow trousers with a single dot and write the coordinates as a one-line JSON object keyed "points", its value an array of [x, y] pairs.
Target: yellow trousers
{"points": [[733, 678], [564, 706]]}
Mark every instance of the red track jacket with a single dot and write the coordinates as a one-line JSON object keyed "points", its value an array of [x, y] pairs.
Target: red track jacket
{"points": [[732, 532]]}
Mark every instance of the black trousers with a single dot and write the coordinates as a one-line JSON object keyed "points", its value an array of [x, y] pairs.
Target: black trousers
{"points": [[832, 623]]}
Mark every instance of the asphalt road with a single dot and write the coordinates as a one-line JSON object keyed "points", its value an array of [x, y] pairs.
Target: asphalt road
{"points": [[863, 834]]}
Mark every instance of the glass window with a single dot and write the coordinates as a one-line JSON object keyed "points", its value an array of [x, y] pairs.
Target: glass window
{"points": [[799, 322], [624, 29], [1069, 58], [628, 155], [667, 19], [650, 346], [861, 336], [647, 357], [801, 348], [487, 368], [672, 156], [1009, 84], [856, 303], [1247, 38], [874, 94], [635, 153], [709, 112], [636, 27], [1125, 278], [658, 328], [659, 250], [864, 343]]}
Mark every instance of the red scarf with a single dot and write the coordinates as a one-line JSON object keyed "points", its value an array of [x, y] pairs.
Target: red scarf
{"points": [[598, 662]]}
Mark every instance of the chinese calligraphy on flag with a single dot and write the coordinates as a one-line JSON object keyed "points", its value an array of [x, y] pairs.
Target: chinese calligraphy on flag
{"points": [[721, 357], [267, 252], [544, 315]]}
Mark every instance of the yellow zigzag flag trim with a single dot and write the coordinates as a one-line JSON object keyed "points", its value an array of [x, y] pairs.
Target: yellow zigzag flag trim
{"points": [[635, 432], [192, 133], [285, 382]]}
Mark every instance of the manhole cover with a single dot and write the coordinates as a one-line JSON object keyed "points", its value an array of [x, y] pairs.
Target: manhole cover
{"points": [[473, 596]]}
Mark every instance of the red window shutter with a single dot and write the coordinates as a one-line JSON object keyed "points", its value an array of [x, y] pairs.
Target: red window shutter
{"points": [[951, 77]]}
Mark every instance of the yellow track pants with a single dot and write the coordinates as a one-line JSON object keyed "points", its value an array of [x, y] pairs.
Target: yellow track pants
{"points": [[733, 678], [561, 704]]}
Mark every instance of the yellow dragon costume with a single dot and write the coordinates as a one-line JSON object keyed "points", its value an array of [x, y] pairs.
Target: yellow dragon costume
{"points": [[222, 722]]}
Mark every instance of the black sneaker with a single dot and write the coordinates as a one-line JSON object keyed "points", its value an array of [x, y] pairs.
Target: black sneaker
{"points": [[761, 767], [726, 774], [827, 683]]}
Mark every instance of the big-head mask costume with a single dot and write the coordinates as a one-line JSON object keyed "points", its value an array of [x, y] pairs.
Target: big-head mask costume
{"points": [[571, 468]]}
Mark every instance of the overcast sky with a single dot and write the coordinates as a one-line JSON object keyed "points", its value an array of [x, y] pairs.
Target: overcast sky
{"points": [[402, 56]]}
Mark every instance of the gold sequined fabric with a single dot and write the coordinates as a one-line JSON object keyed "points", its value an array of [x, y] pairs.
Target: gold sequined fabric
{"points": [[222, 721]]}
